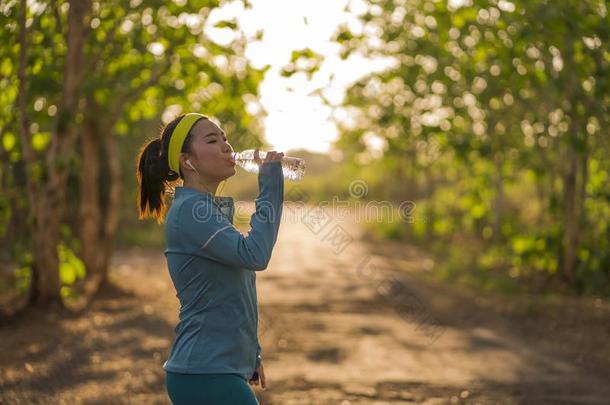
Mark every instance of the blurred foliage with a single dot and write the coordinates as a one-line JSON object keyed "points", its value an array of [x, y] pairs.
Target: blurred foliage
{"points": [[304, 60], [493, 118], [145, 62], [71, 269]]}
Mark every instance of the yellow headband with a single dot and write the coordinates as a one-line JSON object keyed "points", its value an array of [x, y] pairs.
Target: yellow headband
{"points": [[177, 139]]}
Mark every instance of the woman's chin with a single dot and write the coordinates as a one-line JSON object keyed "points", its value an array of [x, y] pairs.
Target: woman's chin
{"points": [[232, 172]]}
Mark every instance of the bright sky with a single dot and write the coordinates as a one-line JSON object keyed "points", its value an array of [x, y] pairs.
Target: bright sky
{"points": [[296, 118]]}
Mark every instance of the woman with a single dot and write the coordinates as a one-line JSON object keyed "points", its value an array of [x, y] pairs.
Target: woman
{"points": [[212, 265]]}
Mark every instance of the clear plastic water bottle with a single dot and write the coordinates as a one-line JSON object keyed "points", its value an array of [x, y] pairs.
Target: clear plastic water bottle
{"points": [[292, 167]]}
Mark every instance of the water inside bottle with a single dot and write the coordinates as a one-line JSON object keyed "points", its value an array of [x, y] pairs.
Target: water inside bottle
{"points": [[292, 168]]}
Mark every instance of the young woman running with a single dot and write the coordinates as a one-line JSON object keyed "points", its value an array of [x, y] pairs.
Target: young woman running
{"points": [[213, 266]]}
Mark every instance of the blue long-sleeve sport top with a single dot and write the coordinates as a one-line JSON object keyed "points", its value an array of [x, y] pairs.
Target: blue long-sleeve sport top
{"points": [[213, 268]]}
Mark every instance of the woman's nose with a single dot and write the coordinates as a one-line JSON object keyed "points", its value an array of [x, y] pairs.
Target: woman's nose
{"points": [[228, 148]]}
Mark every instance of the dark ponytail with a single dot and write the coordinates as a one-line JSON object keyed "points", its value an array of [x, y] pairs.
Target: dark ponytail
{"points": [[154, 175]]}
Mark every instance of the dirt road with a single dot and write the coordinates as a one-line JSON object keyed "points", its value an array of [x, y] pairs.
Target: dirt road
{"points": [[342, 321]]}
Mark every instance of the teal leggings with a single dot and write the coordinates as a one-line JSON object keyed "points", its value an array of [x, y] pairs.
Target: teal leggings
{"points": [[209, 389]]}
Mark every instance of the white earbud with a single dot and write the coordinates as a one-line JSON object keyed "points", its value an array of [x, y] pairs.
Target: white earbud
{"points": [[188, 162]]}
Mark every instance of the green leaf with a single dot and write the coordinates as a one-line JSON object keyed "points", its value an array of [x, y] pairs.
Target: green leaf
{"points": [[40, 141], [226, 24], [71, 268], [9, 140]]}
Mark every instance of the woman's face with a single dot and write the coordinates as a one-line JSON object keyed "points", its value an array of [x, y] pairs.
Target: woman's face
{"points": [[210, 151]]}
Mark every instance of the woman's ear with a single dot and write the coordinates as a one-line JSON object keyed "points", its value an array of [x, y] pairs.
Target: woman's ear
{"points": [[183, 160]]}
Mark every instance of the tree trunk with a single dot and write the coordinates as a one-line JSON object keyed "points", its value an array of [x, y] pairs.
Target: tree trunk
{"points": [[574, 196], [40, 272], [89, 213], [570, 233], [575, 170], [98, 216], [46, 240], [498, 201], [113, 203], [428, 215], [48, 204]]}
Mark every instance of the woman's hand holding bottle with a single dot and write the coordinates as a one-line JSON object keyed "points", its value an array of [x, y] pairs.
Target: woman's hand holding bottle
{"points": [[269, 157]]}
